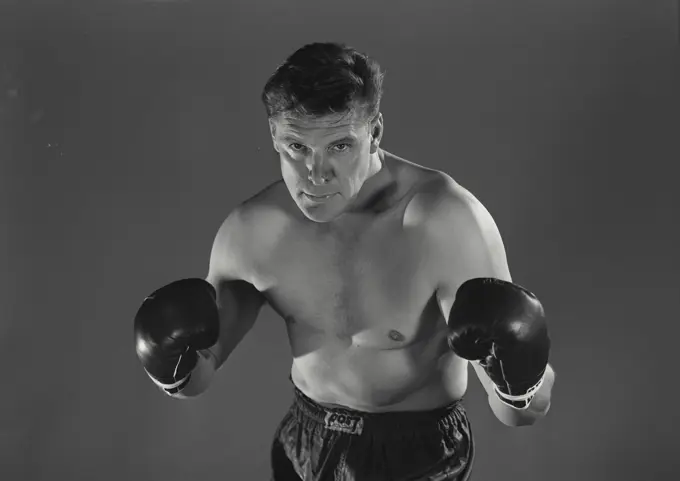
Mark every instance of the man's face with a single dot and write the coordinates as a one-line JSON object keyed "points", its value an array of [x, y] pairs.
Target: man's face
{"points": [[325, 161]]}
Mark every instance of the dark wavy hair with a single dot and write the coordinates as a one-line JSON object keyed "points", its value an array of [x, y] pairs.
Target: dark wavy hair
{"points": [[324, 78]]}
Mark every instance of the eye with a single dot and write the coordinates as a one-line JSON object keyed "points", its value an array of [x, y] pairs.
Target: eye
{"points": [[341, 147], [296, 146]]}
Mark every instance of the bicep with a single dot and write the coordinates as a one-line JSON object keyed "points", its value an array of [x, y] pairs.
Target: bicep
{"points": [[467, 244], [238, 301]]}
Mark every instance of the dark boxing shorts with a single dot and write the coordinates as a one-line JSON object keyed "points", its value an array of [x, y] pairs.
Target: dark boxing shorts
{"points": [[315, 443]]}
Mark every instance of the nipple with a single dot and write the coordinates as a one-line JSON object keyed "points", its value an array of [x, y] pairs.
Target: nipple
{"points": [[396, 336]]}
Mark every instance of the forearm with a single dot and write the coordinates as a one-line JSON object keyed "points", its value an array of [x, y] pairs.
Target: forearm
{"points": [[231, 336], [239, 306], [537, 409]]}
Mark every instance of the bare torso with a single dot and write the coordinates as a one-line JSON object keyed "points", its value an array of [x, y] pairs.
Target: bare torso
{"points": [[359, 301]]}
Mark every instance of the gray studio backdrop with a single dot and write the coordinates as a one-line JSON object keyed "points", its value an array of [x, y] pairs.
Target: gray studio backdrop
{"points": [[130, 129]]}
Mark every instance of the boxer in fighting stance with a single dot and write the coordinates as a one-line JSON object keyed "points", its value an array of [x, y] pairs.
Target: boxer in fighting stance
{"points": [[390, 276]]}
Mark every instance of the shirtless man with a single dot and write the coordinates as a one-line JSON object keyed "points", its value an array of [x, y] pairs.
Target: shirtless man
{"points": [[390, 277]]}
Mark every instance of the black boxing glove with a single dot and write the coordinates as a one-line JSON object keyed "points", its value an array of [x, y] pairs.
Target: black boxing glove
{"points": [[502, 325], [171, 326]]}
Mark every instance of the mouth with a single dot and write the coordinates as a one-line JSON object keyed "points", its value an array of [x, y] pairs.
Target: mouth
{"points": [[317, 198]]}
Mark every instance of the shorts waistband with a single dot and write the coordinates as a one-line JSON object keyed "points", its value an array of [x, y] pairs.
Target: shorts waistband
{"points": [[352, 421]]}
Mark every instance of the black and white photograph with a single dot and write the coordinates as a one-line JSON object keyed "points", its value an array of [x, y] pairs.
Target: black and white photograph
{"points": [[302, 240]]}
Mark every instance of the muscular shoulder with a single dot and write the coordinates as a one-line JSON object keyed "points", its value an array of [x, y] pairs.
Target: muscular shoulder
{"points": [[269, 205], [248, 233], [439, 202]]}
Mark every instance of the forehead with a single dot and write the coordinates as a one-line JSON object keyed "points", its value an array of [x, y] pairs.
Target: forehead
{"points": [[329, 125]]}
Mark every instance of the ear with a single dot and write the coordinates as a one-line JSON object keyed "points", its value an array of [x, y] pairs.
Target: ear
{"points": [[377, 127], [272, 132]]}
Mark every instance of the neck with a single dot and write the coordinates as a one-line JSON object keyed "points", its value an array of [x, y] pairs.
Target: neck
{"points": [[379, 179]]}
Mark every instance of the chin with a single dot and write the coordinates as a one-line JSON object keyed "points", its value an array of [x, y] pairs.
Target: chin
{"points": [[316, 219], [317, 216], [320, 213]]}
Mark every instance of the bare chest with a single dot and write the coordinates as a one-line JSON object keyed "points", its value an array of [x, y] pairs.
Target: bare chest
{"points": [[369, 286]]}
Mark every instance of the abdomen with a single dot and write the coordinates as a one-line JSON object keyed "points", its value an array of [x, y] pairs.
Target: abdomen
{"points": [[417, 377]]}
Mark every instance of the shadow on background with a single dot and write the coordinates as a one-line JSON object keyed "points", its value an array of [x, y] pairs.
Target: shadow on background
{"points": [[130, 129]]}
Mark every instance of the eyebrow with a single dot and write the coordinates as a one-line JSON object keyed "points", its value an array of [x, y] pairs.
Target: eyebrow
{"points": [[346, 138]]}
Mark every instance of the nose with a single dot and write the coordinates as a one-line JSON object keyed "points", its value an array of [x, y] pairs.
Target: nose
{"points": [[318, 170]]}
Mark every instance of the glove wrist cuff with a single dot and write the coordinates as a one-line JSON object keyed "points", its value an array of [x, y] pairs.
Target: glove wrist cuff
{"points": [[521, 401], [196, 380], [170, 387]]}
